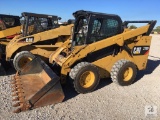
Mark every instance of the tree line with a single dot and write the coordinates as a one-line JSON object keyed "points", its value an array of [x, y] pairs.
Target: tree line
{"points": [[156, 29]]}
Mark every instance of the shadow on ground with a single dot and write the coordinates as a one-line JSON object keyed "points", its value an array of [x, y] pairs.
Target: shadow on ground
{"points": [[6, 68], [70, 92], [151, 66]]}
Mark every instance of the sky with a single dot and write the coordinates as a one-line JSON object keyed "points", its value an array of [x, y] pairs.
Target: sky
{"points": [[126, 9]]}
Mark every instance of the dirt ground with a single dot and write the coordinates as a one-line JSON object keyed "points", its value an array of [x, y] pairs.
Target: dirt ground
{"points": [[141, 100]]}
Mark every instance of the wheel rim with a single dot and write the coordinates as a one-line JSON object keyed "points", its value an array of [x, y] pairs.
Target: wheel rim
{"points": [[23, 61], [128, 73], [87, 79]]}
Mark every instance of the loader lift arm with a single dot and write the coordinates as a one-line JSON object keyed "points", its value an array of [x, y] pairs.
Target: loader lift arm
{"points": [[89, 46], [152, 24]]}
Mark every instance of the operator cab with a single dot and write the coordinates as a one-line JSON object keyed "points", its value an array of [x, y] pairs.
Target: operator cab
{"points": [[34, 23], [92, 26], [8, 21]]}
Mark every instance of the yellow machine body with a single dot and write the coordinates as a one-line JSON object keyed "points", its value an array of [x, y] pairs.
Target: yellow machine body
{"points": [[90, 55]]}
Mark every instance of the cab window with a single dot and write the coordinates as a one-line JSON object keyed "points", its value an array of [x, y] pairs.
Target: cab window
{"points": [[81, 31], [103, 28]]}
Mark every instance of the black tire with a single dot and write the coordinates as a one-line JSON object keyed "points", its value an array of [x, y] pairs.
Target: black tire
{"points": [[80, 71], [19, 63], [123, 72]]}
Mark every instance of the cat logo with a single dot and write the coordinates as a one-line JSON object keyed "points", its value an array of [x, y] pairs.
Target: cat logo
{"points": [[140, 50], [137, 50], [31, 39]]}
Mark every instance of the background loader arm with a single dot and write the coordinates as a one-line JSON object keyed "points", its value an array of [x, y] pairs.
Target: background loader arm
{"points": [[152, 24], [14, 45]]}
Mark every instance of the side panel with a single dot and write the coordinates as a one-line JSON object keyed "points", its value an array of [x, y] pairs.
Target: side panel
{"points": [[105, 64], [139, 57], [141, 51]]}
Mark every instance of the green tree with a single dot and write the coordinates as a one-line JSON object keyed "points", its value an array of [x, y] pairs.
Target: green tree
{"points": [[132, 27], [157, 29]]}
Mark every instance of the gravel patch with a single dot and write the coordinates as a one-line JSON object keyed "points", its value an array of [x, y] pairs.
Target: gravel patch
{"points": [[109, 101]]}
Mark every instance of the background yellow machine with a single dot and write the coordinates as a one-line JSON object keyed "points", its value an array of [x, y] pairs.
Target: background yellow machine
{"points": [[102, 46], [41, 35], [9, 27]]}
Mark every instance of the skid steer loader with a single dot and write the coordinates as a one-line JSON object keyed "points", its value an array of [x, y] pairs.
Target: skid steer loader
{"points": [[102, 46], [41, 35]]}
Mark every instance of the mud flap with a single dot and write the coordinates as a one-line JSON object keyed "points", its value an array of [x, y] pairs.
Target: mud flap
{"points": [[36, 85]]}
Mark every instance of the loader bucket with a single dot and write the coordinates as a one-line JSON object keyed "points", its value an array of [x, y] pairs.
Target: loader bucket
{"points": [[36, 85]]}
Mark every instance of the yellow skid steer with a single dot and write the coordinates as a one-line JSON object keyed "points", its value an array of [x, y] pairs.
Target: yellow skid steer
{"points": [[101, 46], [41, 35]]}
